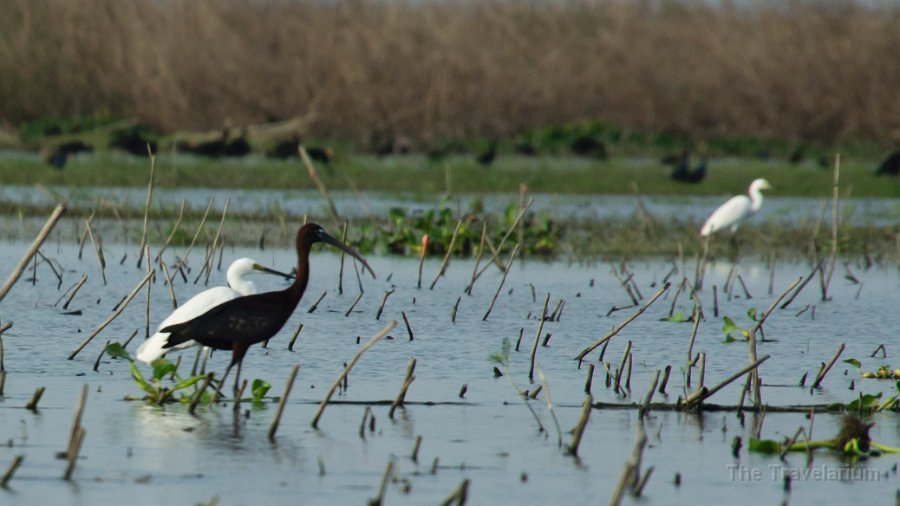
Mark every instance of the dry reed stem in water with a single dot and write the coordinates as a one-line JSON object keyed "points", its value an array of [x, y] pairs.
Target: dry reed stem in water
{"points": [[619, 327], [374, 339], [282, 402], [146, 212], [113, 316], [408, 378], [35, 245]]}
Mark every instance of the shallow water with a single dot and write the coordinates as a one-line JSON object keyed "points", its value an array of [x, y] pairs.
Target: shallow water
{"points": [[866, 211], [145, 455]]}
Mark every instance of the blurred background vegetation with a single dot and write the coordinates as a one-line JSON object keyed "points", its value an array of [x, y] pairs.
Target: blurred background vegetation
{"points": [[374, 73]]}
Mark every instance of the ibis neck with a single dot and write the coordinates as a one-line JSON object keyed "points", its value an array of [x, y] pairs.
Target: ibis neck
{"points": [[299, 285]]}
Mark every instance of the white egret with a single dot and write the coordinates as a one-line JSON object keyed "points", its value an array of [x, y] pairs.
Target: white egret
{"points": [[238, 286], [736, 209]]}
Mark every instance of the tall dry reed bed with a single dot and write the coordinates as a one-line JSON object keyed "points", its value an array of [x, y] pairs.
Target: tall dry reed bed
{"points": [[804, 70]]}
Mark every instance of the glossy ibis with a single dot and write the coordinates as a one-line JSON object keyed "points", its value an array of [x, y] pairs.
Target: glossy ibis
{"points": [[588, 146], [238, 285], [736, 209], [242, 322], [57, 156], [890, 166], [683, 173]]}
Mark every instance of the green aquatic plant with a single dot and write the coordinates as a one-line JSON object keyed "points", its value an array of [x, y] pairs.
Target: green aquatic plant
{"points": [[852, 440], [732, 331], [155, 391]]}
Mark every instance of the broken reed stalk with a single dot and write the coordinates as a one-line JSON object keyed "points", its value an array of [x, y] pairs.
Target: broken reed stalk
{"points": [[802, 285], [143, 242], [196, 398], [183, 260], [173, 232], [35, 245], [84, 235], [384, 299], [35, 398], [355, 302], [113, 316], [408, 378], [631, 473], [495, 254], [6, 326], [415, 451], [523, 190], [406, 322], [388, 474], [16, 462], [446, 258], [72, 457], [362, 425], [459, 495], [537, 337], [665, 379], [454, 309], [578, 431], [422, 254], [374, 339], [311, 170], [502, 281], [704, 393], [316, 303], [341, 269], [294, 336], [690, 350], [165, 270], [147, 304], [75, 290], [468, 289], [835, 216], [100, 356], [702, 356], [282, 402], [622, 325], [827, 367], [590, 379], [649, 398], [751, 337], [98, 250], [76, 422], [621, 368], [215, 241]]}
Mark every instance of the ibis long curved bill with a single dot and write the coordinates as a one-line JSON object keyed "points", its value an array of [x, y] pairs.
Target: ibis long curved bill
{"points": [[329, 239]]}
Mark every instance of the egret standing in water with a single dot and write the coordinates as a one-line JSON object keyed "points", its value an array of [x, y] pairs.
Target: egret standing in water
{"points": [[736, 209], [152, 348], [242, 322]]}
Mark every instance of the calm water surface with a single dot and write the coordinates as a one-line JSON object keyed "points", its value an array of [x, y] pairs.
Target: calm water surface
{"points": [[147, 455]]}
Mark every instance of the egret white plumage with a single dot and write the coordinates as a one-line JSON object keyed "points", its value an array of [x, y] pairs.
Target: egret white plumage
{"points": [[238, 285], [736, 209]]}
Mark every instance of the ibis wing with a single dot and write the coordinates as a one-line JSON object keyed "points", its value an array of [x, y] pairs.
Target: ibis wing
{"points": [[246, 320]]}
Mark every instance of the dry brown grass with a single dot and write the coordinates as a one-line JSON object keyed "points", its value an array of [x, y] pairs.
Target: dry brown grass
{"points": [[802, 70]]}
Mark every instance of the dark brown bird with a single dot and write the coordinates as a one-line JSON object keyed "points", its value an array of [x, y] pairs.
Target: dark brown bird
{"points": [[242, 322]]}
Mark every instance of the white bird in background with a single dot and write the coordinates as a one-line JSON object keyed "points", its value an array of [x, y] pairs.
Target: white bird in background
{"points": [[736, 209], [238, 286]]}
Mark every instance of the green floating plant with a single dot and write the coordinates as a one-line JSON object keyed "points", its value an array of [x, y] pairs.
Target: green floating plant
{"points": [[155, 391], [677, 317], [853, 440], [733, 332]]}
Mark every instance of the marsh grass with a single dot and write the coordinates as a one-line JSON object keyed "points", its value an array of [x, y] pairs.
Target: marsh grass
{"points": [[417, 175], [805, 71]]}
